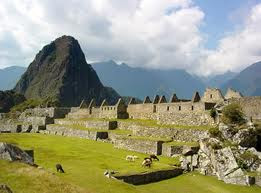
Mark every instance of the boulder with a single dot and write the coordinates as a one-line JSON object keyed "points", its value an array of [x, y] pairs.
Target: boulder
{"points": [[12, 153], [185, 162], [245, 138], [189, 150], [227, 131], [226, 167], [5, 189]]}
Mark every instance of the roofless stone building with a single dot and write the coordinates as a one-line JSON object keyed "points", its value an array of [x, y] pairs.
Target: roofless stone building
{"points": [[175, 111]]}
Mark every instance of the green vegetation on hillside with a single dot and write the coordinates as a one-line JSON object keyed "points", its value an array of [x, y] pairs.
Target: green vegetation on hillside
{"points": [[32, 103]]}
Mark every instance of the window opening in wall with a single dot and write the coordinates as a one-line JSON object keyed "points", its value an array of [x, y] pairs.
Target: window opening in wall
{"points": [[211, 96], [179, 108], [192, 108], [167, 108]]}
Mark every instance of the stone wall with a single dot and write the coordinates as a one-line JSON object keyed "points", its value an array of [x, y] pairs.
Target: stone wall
{"points": [[51, 112], [10, 127], [177, 134], [38, 120], [251, 106], [71, 132], [149, 177], [140, 145], [179, 113], [96, 124], [142, 111], [186, 118], [117, 111], [170, 150]]}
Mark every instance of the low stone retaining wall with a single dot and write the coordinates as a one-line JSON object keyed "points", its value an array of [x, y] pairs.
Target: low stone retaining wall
{"points": [[70, 132], [155, 176], [38, 120], [69, 122], [95, 124], [170, 150], [10, 128], [188, 135], [139, 145], [110, 125]]}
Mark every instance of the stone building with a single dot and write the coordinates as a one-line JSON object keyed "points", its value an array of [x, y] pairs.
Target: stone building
{"points": [[91, 110], [195, 111], [176, 111], [213, 95], [231, 93]]}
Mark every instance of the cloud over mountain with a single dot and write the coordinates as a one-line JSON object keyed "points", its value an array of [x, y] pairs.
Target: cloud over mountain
{"points": [[155, 34]]}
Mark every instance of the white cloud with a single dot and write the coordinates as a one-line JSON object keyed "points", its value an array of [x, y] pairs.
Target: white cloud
{"points": [[236, 50], [146, 33]]}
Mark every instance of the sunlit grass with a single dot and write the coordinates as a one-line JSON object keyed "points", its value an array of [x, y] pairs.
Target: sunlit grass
{"points": [[85, 161]]}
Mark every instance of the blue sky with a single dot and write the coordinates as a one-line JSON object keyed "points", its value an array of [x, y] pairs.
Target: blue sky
{"points": [[203, 37], [223, 16]]}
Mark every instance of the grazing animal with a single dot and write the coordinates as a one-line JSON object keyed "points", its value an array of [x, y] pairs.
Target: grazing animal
{"points": [[131, 157], [154, 157], [146, 163], [59, 168], [148, 158]]}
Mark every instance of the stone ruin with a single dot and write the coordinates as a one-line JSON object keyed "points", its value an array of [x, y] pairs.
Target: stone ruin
{"points": [[104, 119]]}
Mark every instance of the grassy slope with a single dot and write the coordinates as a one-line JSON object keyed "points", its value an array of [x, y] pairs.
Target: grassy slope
{"points": [[85, 161]]}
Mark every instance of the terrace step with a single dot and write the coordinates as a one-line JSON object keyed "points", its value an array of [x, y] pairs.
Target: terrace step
{"points": [[149, 177], [143, 145], [95, 124], [71, 131], [178, 134]]}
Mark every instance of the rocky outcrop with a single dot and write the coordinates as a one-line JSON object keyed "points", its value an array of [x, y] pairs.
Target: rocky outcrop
{"points": [[5, 189], [13, 153], [60, 72]]}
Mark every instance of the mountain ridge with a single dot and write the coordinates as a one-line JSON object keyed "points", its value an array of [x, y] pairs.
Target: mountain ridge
{"points": [[60, 72]]}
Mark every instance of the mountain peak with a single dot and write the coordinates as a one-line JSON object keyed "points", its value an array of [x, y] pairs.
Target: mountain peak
{"points": [[60, 71]]}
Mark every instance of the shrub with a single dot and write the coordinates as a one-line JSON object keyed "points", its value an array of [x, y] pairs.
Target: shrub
{"points": [[214, 132], [215, 146], [233, 114], [213, 113], [28, 104]]}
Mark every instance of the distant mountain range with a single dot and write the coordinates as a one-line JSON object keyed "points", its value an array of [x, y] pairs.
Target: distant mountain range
{"points": [[248, 81], [139, 82], [9, 76], [218, 80]]}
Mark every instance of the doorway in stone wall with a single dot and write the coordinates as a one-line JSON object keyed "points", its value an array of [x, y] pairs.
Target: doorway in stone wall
{"points": [[258, 144], [154, 109]]}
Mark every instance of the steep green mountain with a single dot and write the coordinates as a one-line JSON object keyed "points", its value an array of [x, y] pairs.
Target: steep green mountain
{"points": [[141, 82], [247, 81], [10, 76], [60, 72]]}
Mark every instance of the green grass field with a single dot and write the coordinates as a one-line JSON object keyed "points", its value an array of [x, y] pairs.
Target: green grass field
{"points": [[85, 162]]}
